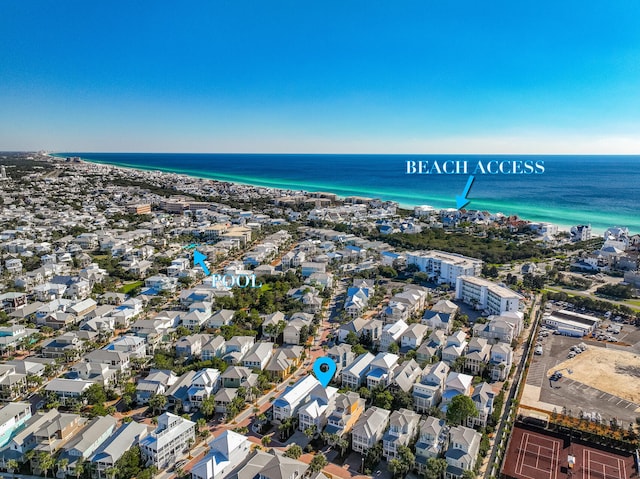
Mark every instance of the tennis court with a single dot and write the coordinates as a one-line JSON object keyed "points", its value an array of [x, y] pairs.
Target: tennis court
{"points": [[537, 455]]}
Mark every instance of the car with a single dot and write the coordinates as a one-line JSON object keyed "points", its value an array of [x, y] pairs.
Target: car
{"points": [[553, 377], [538, 350], [571, 355], [557, 373]]}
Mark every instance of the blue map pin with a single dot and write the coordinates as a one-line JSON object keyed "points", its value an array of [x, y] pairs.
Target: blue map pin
{"points": [[324, 376]]}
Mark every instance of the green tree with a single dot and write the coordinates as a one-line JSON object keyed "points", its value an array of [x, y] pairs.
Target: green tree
{"points": [[148, 473], [342, 444], [373, 456], [95, 394], [266, 440], [157, 403], [395, 467], [79, 468], [406, 459], [358, 349], [45, 462], [393, 348], [364, 393], [129, 464], [318, 463], [435, 468], [459, 409], [458, 364], [310, 431], [401, 400], [382, 398], [469, 474], [13, 466], [62, 464], [294, 451], [352, 338], [208, 406], [201, 424], [111, 472]]}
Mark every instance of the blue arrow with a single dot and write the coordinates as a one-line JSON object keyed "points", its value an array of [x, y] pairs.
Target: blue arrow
{"points": [[461, 200], [198, 259]]}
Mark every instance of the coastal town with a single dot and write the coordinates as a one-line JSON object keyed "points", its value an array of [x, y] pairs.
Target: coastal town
{"points": [[467, 343]]}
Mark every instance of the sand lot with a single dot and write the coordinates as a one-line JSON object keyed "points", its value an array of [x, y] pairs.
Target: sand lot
{"points": [[614, 371]]}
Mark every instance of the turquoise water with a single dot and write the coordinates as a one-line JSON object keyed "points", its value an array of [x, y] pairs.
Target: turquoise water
{"points": [[600, 190]]}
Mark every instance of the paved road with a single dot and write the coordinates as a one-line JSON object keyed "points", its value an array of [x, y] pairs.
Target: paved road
{"points": [[524, 351], [245, 418]]}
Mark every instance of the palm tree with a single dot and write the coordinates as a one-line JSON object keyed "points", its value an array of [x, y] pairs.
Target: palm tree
{"points": [[62, 464], [111, 472], [318, 463], [255, 391], [45, 462], [190, 443], [29, 455], [157, 403], [266, 440], [208, 406], [343, 444], [310, 431], [79, 469], [13, 466]]}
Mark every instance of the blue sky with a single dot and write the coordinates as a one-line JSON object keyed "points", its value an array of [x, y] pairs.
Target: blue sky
{"points": [[333, 76]]}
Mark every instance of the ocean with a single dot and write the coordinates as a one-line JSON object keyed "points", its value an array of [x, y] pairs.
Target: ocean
{"points": [[602, 191]]}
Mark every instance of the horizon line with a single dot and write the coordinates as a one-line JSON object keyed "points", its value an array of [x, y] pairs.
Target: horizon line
{"points": [[311, 154]]}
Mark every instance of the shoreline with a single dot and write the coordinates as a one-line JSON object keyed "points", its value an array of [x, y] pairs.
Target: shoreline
{"points": [[257, 183]]}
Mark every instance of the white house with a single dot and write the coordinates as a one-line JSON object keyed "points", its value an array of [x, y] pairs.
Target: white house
{"points": [[455, 347], [445, 267], [456, 383], [427, 392], [168, 442], [226, 452], [258, 356], [317, 409], [432, 438], [412, 337], [204, 384], [392, 333], [464, 444], [293, 397], [354, 374], [369, 429], [381, 370], [403, 427]]}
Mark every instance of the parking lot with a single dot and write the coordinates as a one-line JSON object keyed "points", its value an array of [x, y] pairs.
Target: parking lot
{"points": [[573, 395]]}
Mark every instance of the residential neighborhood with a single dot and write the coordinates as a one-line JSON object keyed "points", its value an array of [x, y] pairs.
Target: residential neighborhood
{"points": [[123, 357]]}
